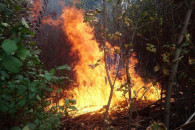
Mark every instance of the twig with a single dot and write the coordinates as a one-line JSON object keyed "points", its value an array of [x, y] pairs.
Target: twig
{"points": [[117, 73], [190, 118], [191, 123]]}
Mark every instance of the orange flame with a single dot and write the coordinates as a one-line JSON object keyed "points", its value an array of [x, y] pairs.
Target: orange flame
{"points": [[37, 7], [93, 91]]}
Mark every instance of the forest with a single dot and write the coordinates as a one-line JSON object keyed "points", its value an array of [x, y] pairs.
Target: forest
{"points": [[97, 64]]}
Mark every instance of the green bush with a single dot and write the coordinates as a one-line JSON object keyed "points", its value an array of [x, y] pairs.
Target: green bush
{"points": [[25, 84]]}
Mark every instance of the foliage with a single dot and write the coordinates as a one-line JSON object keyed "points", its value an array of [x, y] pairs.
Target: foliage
{"points": [[25, 84], [152, 32]]}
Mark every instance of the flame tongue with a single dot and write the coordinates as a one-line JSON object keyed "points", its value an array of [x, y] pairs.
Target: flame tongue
{"points": [[92, 89], [36, 8]]}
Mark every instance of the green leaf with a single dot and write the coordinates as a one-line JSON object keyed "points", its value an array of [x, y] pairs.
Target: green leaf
{"points": [[23, 53], [185, 44], [19, 77], [2, 6], [185, 51], [31, 73], [21, 89], [3, 106], [47, 75], [9, 46], [12, 64], [31, 126], [26, 128], [31, 95], [52, 72], [12, 104], [72, 101], [31, 110], [38, 97], [33, 86], [17, 8], [64, 67], [58, 91], [27, 33], [67, 102], [155, 126], [4, 75], [8, 11], [6, 97], [61, 107], [109, 1], [66, 113], [48, 89], [72, 107], [24, 23], [59, 115], [32, 43], [15, 128], [49, 124], [37, 121], [37, 52], [88, 19], [5, 24], [21, 103]]}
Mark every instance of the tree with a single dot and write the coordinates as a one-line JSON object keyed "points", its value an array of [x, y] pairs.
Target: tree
{"points": [[107, 71], [175, 64]]}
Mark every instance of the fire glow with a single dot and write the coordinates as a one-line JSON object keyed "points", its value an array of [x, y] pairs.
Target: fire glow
{"points": [[93, 91], [36, 8]]}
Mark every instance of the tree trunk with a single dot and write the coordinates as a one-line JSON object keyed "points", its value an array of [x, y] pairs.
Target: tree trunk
{"points": [[107, 71], [129, 77], [175, 65], [129, 90]]}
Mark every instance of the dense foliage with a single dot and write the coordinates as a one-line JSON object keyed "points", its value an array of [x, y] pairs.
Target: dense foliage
{"points": [[25, 84]]}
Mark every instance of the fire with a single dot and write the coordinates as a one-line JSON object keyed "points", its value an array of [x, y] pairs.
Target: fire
{"points": [[93, 91], [37, 7], [141, 90]]}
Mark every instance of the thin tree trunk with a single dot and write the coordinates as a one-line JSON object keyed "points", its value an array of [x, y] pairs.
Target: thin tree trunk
{"points": [[129, 78], [175, 65], [129, 90], [107, 71]]}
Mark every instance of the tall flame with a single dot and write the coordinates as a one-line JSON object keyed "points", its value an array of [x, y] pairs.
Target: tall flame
{"points": [[93, 91]]}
